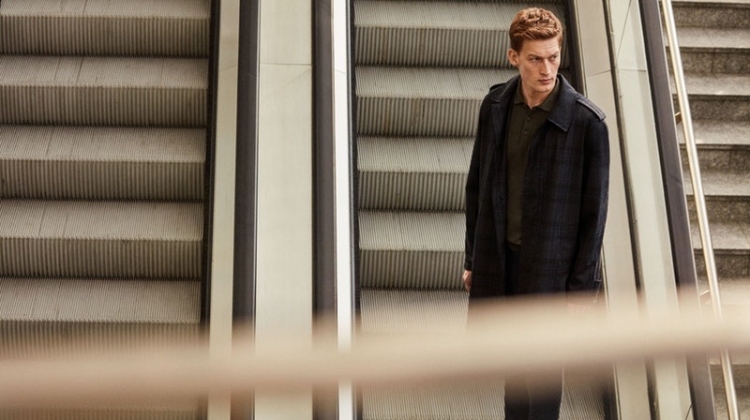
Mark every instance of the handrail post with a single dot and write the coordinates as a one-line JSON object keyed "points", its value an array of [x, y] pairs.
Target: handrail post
{"points": [[700, 202]]}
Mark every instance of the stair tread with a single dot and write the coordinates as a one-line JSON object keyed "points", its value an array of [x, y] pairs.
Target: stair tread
{"points": [[720, 183], [98, 72], [94, 300], [428, 83], [403, 154], [101, 220], [735, 291], [712, 133], [712, 2], [714, 38], [401, 311], [434, 15], [121, 8], [715, 84], [101, 144], [412, 231], [727, 237]]}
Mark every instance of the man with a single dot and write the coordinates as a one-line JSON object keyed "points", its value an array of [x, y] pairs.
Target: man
{"points": [[536, 193]]}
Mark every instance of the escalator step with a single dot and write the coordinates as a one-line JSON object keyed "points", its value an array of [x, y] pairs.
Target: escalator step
{"points": [[413, 311], [100, 239], [125, 27], [449, 34], [103, 91], [442, 102], [413, 173], [411, 250], [102, 163]]}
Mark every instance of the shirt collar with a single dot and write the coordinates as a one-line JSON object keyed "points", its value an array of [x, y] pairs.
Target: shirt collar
{"points": [[548, 104]]}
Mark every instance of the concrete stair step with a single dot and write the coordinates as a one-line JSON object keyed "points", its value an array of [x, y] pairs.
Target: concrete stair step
{"points": [[712, 13], [411, 250], [727, 196], [715, 50], [93, 239], [103, 91], [731, 248], [442, 102], [413, 173], [124, 28], [722, 145], [724, 97], [734, 291], [433, 34], [54, 162]]}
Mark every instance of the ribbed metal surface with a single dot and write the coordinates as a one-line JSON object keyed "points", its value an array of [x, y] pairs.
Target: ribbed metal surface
{"points": [[421, 101], [128, 27], [107, 239], [471, 400], [413, 311], [450, 34], [411, 250], [24, 339], [190, 411], [413, 173], [103, 91], [101, 163], [132, 301]]}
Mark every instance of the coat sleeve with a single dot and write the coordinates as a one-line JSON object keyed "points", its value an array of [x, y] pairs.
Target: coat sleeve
{"points": [[594, 202], [472, 188]]}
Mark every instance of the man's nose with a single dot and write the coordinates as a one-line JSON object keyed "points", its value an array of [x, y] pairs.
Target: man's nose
{"points": [[546, 67]]}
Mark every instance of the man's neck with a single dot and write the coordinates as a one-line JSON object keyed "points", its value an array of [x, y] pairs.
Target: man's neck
{"points": [[533, 100]]}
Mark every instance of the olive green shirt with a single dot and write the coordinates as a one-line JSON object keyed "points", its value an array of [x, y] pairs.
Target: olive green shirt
{"points": [[524, 123]]}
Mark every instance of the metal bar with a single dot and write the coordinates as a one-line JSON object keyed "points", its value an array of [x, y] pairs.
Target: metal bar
{"points": [[700, 201], [243, 306], [701, 387]]}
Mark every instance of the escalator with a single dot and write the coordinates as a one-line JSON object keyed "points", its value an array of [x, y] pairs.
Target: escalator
{"points": [[103, 118], [422, 69]]}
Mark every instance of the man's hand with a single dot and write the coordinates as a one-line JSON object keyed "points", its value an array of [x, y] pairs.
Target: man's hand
{"points": [[467, 280]]}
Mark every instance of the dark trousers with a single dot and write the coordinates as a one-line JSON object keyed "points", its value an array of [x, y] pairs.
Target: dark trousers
{"points": [[530, 397]]}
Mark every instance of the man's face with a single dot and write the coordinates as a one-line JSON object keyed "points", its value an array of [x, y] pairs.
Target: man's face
{"points": [[537, 62]]}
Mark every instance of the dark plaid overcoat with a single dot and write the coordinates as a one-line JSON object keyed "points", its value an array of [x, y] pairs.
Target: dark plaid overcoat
{"points": [[565, 191]]}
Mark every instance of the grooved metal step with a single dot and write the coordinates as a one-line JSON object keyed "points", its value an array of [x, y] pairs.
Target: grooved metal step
{"points": [[101, 163], [410, 250], [75, 301], [413, 173], [126, 27], [100, 239], [399, 101], [449, 34], [103, 91], [411, 312], [187, 411]]}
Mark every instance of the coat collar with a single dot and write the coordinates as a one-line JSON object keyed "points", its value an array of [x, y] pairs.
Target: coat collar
{"points": [[561, 116]]}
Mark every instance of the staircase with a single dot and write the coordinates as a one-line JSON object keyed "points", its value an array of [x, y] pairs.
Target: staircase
{"points": [[103, 112], [422, 69], [714, 38]]}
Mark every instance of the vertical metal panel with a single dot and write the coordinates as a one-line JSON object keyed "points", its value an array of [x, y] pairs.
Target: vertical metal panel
{"points": [[243, 308], [677, 215], [223, 158]]}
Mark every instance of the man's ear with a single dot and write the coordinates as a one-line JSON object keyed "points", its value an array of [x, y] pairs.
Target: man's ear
{"points": [[513, 57]]}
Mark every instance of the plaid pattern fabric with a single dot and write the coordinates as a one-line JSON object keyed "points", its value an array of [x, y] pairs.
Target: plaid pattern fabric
{"points": [[565, 194]]}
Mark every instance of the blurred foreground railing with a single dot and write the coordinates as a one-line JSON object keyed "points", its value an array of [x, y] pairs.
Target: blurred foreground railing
{"points": [[520, 337]]}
